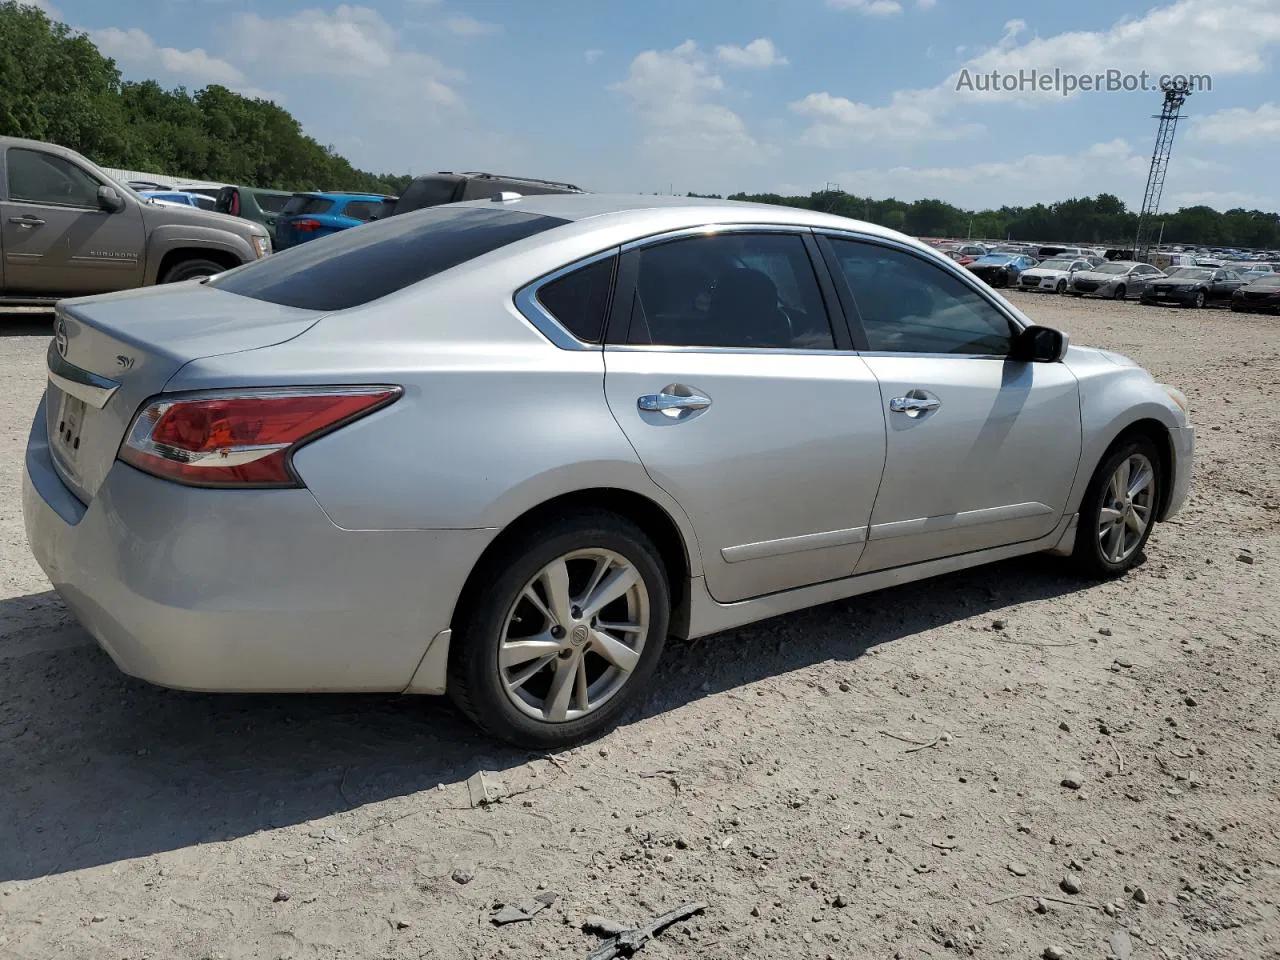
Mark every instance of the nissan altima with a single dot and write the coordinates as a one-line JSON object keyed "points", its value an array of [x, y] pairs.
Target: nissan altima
{"points": [[503, 449]]}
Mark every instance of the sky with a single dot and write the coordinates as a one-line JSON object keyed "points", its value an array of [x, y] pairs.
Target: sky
{"points": [[878, 97]]}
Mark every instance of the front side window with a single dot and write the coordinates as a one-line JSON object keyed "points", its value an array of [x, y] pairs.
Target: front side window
{"points": [[37, 177], [729, 290], [909, 305]]}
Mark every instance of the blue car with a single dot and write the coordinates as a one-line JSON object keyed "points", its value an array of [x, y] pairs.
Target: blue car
{"points": [[1001, 269], [179, 197], [310, 215]]}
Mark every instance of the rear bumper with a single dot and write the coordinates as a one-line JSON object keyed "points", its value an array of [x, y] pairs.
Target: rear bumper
{"points": [[1184, 446], [242, 590]]}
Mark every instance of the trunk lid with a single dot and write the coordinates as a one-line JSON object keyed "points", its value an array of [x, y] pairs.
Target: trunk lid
{"points": [[111, 353]]}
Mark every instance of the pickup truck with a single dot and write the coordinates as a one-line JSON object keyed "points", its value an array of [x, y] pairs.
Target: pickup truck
{"points": [[67, 229]]}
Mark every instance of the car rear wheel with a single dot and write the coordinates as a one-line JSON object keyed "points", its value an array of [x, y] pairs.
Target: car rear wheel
{"points": [[191, 270], [562, 632], [1119, 509], [1120, 292]]}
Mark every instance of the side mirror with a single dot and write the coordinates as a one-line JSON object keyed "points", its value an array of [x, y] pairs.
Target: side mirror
{"points": [[109, 199], [1039, 345]]}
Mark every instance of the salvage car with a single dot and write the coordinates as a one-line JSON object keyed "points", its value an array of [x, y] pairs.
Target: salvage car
{"points": [[1118, 279], [1001, 269], [67, 228], [309, 216], [1260, 296], [1052, 276], [502, 450], [1194, 287]]}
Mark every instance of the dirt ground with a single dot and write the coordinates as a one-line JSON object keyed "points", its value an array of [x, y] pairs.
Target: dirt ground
{"points": [[878, 778]]}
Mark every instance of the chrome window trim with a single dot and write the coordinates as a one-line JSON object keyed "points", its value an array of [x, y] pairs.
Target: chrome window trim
{"points": [[946, 263], [82, 384], [713, 229], [531, 308]]}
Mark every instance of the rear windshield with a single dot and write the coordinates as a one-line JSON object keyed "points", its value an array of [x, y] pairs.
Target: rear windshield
{"points": [[358, 266], [302, 203], [368, 209], [272, 202], [426, 192]]}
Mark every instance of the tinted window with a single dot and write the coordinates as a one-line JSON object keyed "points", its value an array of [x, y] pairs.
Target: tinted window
{"points": [[367, 209], [271, 202], [356, 266], [305, 204], [224, 202], [731, 290], [426, 192], [43, 178], [909, 305], [580, 300]]}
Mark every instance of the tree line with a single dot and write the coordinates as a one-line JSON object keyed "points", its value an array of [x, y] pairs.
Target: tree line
{"points": [[55, 85]]}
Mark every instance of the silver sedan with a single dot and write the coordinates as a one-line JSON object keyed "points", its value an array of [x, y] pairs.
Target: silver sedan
{"points": [[503, 449]]}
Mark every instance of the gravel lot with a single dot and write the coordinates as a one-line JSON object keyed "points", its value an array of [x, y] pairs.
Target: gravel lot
{"points": [[881, 777]]}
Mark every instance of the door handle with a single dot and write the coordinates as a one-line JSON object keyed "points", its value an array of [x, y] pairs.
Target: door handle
{"points": [[27, 221], [674, 401], [914, 406]]}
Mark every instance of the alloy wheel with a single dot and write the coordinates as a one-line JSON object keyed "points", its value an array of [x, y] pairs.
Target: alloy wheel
{"points": [[574, 635], [1126, 508]]}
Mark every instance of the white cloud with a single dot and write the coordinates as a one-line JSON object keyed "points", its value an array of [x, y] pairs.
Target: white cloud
{"points": [[1222, 200], [673, 92], [463, 25], [909, 115], [1112, 167], [1238, 125], [591, 56], [1187, 36], [351, 41], [873, 8], [45, 7], [135, 49], [759, 54]]}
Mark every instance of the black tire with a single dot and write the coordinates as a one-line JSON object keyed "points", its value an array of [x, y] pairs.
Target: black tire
{"points": [[1061, 288], [1199, 300], [474, 680], [191, 269], [1120, 292], [1088, 555]]}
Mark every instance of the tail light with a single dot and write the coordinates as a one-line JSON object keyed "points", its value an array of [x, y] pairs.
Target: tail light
{"points": [[306, 225], [241, 439]]}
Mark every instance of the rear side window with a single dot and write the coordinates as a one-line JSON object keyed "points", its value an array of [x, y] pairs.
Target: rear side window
{"points": [[580, 300], [271, 202], [426, 192], [358, 266], [367, 209], [304, 204]]}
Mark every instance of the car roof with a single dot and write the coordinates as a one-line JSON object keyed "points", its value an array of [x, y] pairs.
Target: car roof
{"points": [[673, 212]]}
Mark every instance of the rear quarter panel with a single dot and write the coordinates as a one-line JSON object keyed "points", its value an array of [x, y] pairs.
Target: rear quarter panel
{"points": [[493, 421]]}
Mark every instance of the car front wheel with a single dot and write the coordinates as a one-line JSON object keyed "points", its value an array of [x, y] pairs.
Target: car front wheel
{"points": [[1061, 287], [561, 632], [1119, 509], [1199, 300], [1120, 292], [191, 270]]}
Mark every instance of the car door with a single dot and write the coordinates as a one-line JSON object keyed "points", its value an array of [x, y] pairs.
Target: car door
{"points": [[57, 240], [1225, 283], [745, 404], [982, 449]]}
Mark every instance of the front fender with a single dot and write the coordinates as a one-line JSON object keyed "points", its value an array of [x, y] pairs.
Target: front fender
{"points": [[1114, 395], [167, 237]]}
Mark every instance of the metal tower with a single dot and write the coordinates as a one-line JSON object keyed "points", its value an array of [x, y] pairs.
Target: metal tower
{"points": [[1175, 95]]}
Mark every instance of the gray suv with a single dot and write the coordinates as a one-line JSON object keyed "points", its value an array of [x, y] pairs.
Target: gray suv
{"points": [[448, 187], [67, 229]]}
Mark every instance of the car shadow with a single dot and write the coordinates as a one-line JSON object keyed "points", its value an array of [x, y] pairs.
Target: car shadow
{"points": [[25, 324], [100, 767]]}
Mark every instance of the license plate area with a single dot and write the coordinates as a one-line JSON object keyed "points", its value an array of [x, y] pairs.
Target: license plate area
{"points": [[67, 427]]}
